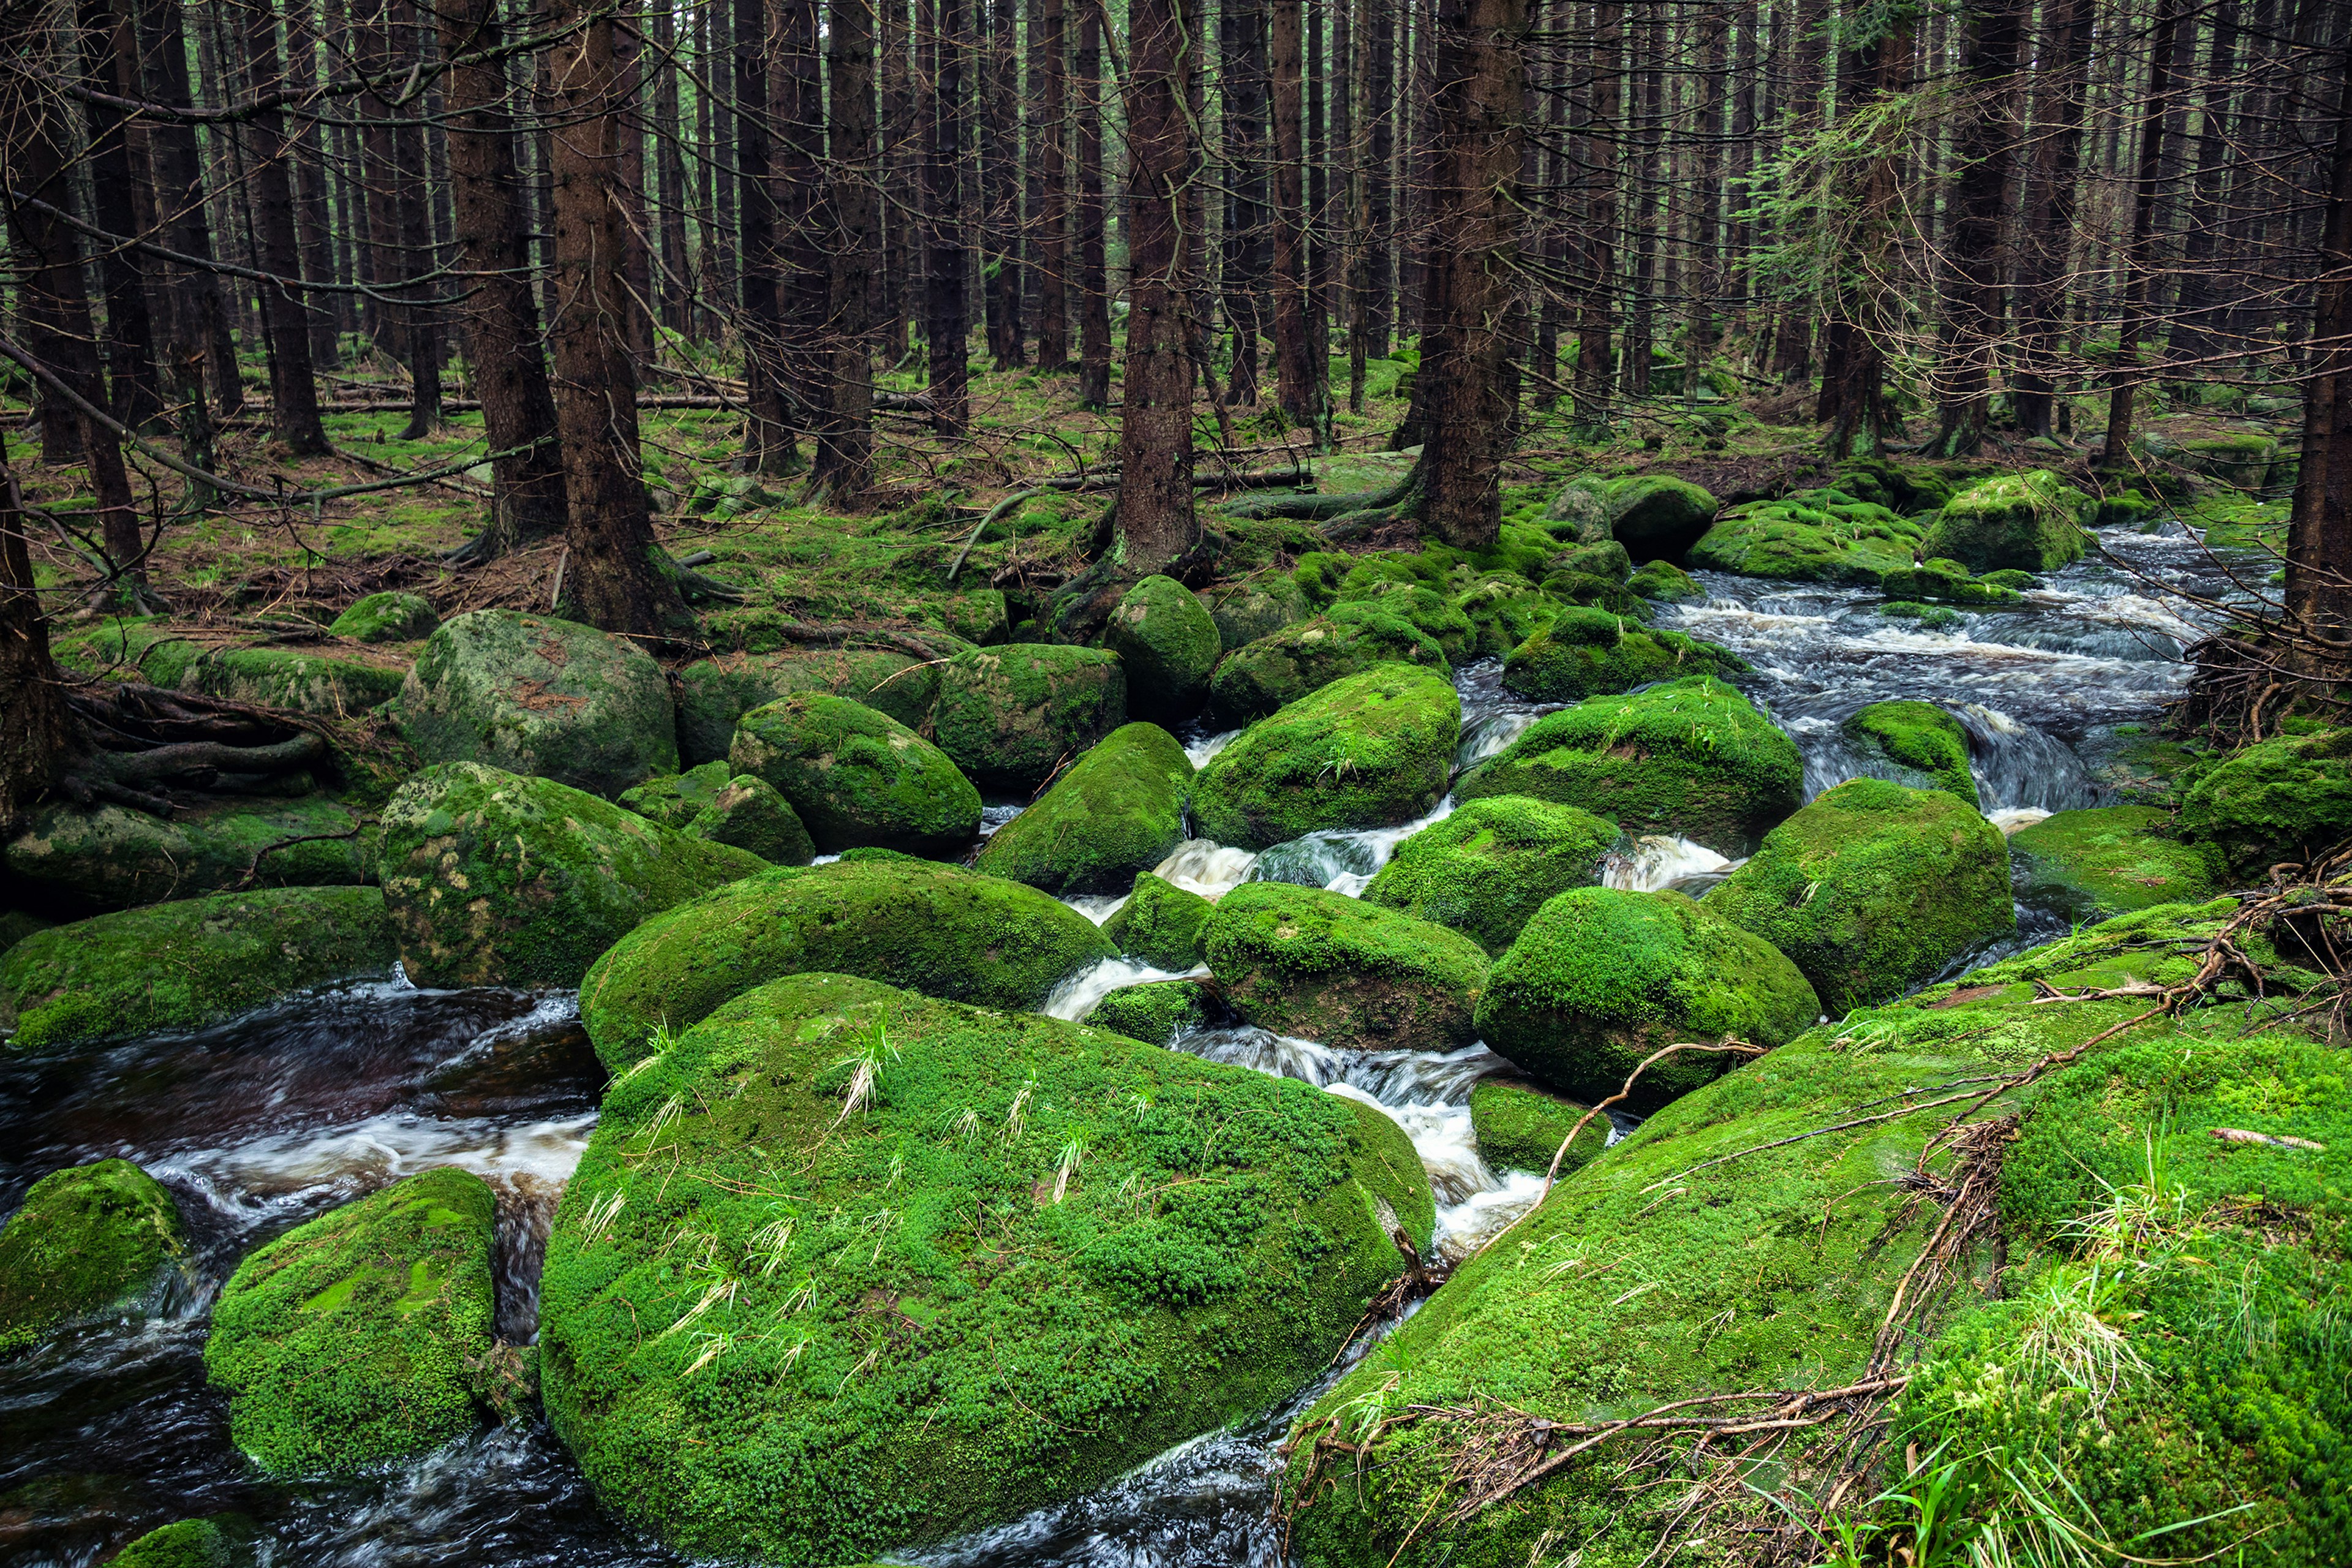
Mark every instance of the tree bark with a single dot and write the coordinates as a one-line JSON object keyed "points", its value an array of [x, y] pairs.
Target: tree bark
{"points": [[2050, 214], [1297, 385], [1986, 146], [313, 224], [1379, 238], [1597, 253], [110, 63], [675, 284], [1001, 184], [2319, 532], [1052, 131], [293, 394], [629, 54], [199, 347], [1092, 265], [768, 445], [2124, 382], [945, 322], [796, 185], [1247, 250], [844, 455], [1865, 313]]}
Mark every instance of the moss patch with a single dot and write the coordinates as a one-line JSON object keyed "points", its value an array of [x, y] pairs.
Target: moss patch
{"points": [[2029, 521], [84, 1240], [1010, 716], [2110, 861], [1117, 812], [1160, 924], [1300, 659], [714, 693], [2284, 799], [1584, 651], [82, 860], [749, 812], [1521, 1125], [857, 777], [1489, 865], [676, 799], [1154, 1012], [1667, 583], [1370, 751], [1811, 536], [1920, 737], [1168, 644], [390, 616], [1325, 967]]}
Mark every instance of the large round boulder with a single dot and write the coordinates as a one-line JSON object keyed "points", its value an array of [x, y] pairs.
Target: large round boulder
{"points": [[2284, 799], [1506, 610], [938, 929], [389, 616], [364, 1335], [1156, 1012], [85, 1240], [1169, 643], [857, 777], [187, 964], [1160, 923], [307, 682], [1419, 606], [1373, 750], [1115, 813], [1582, 652], [1603, 979], [2108, 861], [85, 861], [1920, 742], [1874, 888], [2030, 521], [1656, 516], [713, 694], [496, 879], [749, 813], [1491, 864], [1322, 966], [1520, 1126], [1253, 607], [785, 1341], [1809, 536], [1692, 758], [1300, 659], [532, 695], [1010, 716]]}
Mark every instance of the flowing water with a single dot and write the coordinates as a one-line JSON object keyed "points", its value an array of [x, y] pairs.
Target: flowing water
{"points": [[267, 1121]]}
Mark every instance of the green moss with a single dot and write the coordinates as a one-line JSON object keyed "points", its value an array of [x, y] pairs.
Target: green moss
{"points": [[1419, 606], [1162, 924], [714, 693], [1608, 560], [1325, 967], [1602, 978], [186, 965], [1692, 758], [1154, 1012], [1506, 612], [1658, 515], [1873, 888], [676, 799], [1490, 865], [1010, 716], [1578, 512], [1587, 651], [857, 777], [2030, 521], [2021, 582], [1168, 644], [364, 1335], [749, 813], [1943, 582], [1600, 594], [1027, 1257], [532, 695], [1667, 583], [188, 1543], [85, 1240], [2245, 461], [1373, 750], [78, 860], [1300, 661], [1905, 487], [285, 677], [128, 649], [1521, 1125], [1116, 811], [495, 880], [388, 616], [16, 925], [940, 929], [1253, 607], [2135, 765], [2284, 799], [980, 617], [2109, 860], [1920, 737], [1811, 536]]}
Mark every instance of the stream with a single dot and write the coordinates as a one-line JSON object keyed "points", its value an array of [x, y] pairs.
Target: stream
{"points": [[269, 1121]]}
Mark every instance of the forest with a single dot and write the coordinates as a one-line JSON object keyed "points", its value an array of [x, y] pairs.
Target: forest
{"points": [[1287, 784]]}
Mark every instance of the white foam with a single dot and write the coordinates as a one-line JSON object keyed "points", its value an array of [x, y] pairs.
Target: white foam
{"points": [[362, 1156], [1075, 997], [1097, 907], [1661, 860], [1200, 752], [1203, 866], [2016, 817]]}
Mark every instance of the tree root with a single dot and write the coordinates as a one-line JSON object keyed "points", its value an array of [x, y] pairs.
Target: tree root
{"points": [[1325, 509], [145, 740]]}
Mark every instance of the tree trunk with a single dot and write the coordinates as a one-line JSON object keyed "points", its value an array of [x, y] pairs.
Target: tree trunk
{"points": [[1001, 185], [199, 342], [944, 317], [110, 63], [1093, 264], [312, 222], [844, 455], [2138, 257], [1297, 385], [1380, 239], [628, 55], [2319, 532], [1646, 217], [1596, 298], [1865, 314], [415, 235], [2196, 324], [2050, 214], [293, 395], [1348, 42], [768, 445], [37, 732], [796, 188], [1985, 147], [1247, 256], [675, 284], [1052, 129]]}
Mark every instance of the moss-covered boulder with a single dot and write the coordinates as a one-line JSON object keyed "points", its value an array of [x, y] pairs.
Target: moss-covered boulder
{"points": [[2136, 765], [186, 1543], [1920, 739], [676, 799], [1156, 1012], [857, 777], [548, 698], [1521, 1125], [1607, 559], [1601, 979], [1505, 611], [1667, 583], [1162, 924], [1578, 512], [1116, 811], [2285, 799], [364, 1335], [1657, 516], [495, 880], [187, 964], [819, 1366], [1323, 966], [1873, 888], [749, 812], [1168, 644], [1812, 536], [85, 861], [389, 616], [1276, 670], [1942, 582], [2030, 521], [941, 930], [1600, 594], [1419, 606], [336, 688], [980, 617], [1374, 750], [713, 694], [1491, 864], [1587, 651], [84, 1241], [2108, 861], [1692, 758], [1010, 716], [2244, 459], [1251, 607], [126, 647]]}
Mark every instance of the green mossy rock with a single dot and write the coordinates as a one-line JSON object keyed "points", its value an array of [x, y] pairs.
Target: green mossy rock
{"points": [[284, 677], [2284, 799], [1168, 644], [1931, 618], [140, 648], [713, 694], [2022, 582], [496, 879], [187, 964], [2110, 861], [1421, 607], [1602, 978], [1578, 512], [188, 1543], [2135, 765], [1600, 594], [2030, 521], [939, 930], [1506, 611], [1155, 1013], [1918, 737], [1162, 924], [364, 1335], [80, 861], [1667, 583], [676, 799], [1607, 559], [1300, 661], [1521, 1124], [1323, 966], [1255, 607], [1137, 1285], [1873, 888], [857, 777], [1010, 716], [749, 813], [1941, 581], [1373, 750], [548, 698], [16, 925], [1694, 758], [389, 616], [1587, 652], [1657, 515], [2243, 460], [1116, 811], [85, 1240], [1489, 865], [1904, 488], [1812, 536], [980, 617]]}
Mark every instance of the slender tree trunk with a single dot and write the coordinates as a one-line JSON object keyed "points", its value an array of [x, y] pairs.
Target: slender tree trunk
{"points": [[2138, 258], [2319, 532], [1093, 264], [1646, 216], [902, 227], [1241, 48], [1051, 128], [199, 347], [1001, 185], [768, 445], [2050, 213], [628, 55], [1866, 314], [845, 456], [1706, 202], [293, 395], [1993, 53], [416, 235], [944, 293], [803, 222], [669, 178], [1380, 176], [2196, 323], [37, 732], [1295, 379], [313, 226], [1348, 42], [1596, 301], [110, 63]]}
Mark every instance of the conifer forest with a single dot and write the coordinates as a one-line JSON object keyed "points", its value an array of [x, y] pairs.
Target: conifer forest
{"points": [[1175, 784]]}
